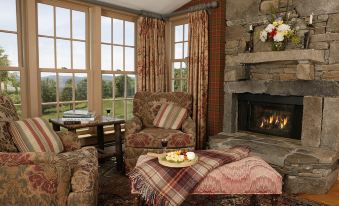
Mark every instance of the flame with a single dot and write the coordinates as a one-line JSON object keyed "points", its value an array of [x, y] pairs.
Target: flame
{"points": [[274, 121]]}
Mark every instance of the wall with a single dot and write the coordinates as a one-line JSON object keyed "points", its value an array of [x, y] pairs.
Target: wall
{"points": [[242, 13], [216, 64]]}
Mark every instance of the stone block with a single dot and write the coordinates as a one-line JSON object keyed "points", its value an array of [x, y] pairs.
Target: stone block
{"points": [[287, 77], [333, 23], [306, 7], [311, 185], [330, 126], [305, 71], [312, 117], [334, 51], [331, 75], [325, 37], [242, 9], [266, 7], [319, 45], [230, 108], [323, 17], [235, 73], [236, 33]]}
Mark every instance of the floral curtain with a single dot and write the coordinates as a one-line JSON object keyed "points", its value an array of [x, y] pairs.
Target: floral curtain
{"points": [[198, 71], [151, 72]]}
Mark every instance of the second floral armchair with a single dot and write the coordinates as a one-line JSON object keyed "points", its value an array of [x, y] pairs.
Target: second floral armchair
{"points": [[142, 137]]}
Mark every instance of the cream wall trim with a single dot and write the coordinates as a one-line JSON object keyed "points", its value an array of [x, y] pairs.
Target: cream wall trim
{"points": [[95, 83], [31, 59]]}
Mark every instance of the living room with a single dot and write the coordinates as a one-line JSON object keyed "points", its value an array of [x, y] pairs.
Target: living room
{"points": [[169, 102]]}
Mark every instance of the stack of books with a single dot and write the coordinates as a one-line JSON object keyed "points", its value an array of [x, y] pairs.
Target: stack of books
{"points": [[77, 116]]}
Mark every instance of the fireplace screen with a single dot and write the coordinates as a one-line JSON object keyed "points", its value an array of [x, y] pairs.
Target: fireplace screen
{"points": [[275, 115]]}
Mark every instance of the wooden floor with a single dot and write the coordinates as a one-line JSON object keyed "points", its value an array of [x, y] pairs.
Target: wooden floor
{"points": [[331, 198]]}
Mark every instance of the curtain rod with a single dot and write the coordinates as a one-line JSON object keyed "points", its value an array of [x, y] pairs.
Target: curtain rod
{"points": [[206, 6]]}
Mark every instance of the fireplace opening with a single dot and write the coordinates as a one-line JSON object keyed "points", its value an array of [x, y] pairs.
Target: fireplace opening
{"points": [[269, 114]]}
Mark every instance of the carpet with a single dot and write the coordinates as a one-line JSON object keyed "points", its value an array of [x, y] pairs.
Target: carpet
{"points": [[114, 190]]}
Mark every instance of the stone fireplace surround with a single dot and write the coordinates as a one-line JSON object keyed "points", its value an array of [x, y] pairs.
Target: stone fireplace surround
{"points": [[308, 165]]}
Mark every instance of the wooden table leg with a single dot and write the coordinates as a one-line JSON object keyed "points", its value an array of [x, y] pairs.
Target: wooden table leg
{"points": [[254, 200], [56, 127], [118, 146], [100, 135]]}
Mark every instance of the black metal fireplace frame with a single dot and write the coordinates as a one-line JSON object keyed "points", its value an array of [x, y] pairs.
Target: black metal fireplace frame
{"points": [[247, 100]]}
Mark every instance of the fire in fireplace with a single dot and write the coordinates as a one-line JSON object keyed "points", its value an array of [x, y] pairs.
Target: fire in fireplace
{"points": [[268, 114]]}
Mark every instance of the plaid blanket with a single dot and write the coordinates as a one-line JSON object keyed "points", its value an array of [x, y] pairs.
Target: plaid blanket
{"points": [[160, 185]]}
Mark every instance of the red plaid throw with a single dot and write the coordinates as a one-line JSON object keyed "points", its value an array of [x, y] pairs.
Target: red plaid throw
{"points": [[160, 185]]}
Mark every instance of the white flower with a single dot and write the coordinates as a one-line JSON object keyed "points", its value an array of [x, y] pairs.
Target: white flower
{"points": [[284, 27], [279, 37], [190, 155], [263, 35], [269, 28]]}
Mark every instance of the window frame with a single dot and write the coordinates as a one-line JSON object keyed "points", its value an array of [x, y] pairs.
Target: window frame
{"points": [[125, 99], [173, 23], [20, 68], [57, 71]]}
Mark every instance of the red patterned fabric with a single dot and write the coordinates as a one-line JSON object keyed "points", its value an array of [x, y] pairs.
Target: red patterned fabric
{"points": [[151, 138], [160, 185], [250, 175]]}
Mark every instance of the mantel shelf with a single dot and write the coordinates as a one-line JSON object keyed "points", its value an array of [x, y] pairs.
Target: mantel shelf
{"points": [[310, 55]]}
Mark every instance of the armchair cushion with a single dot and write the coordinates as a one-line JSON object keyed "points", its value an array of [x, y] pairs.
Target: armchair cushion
{"points": [[170, 116], [35, 135], [151, 138]]}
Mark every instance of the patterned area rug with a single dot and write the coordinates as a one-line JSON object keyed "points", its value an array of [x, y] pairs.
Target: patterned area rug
{"points": [[114, 189]]}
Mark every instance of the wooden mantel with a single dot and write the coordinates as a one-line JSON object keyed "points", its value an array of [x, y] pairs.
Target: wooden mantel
{"points": [[305, 58], [310, 55]]}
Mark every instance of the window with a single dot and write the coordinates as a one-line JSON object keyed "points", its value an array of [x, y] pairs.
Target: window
{"points": [[63, 62], [118, 66], [10, 57], [179, 72]]}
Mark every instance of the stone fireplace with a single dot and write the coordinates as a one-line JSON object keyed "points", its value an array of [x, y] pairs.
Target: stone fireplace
{"points": [[293, 125]]}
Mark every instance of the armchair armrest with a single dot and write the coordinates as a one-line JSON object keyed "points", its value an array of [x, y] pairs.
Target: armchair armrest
{"points": [[189, 127], [133, 126], [70, 140], [33, 179]]}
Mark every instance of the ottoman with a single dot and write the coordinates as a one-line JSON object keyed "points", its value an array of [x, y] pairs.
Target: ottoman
{"points": [[249, 176]]}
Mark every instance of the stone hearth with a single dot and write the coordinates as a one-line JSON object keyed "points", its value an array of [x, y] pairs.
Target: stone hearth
{"points": [[305, 169]]}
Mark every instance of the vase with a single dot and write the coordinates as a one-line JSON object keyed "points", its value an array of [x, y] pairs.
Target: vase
{"points": [[278, 46]]}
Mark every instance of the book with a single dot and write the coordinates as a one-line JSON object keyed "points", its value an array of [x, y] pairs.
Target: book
{"points": [[77, 112], [84, 119]]}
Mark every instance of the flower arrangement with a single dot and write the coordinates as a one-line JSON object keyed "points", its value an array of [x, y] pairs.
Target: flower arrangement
{"points": [[279, 33], [180, 156]]}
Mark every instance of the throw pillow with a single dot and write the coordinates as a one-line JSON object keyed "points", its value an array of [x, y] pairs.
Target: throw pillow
{"points": [[35, 135], [170, 116]]}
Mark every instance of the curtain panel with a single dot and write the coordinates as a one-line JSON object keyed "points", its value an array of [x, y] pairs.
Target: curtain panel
{"points": [[198, 72], [152, 75]]}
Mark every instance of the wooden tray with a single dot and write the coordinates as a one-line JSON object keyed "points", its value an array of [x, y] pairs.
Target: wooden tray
{"points": [[163, 162]]}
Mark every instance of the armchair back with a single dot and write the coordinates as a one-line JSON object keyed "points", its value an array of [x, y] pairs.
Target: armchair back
{"points": [[147, 104], [7, 113]]}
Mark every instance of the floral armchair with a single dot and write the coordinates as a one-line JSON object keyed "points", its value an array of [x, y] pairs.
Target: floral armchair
{"points": [[32, 178], [142, 137]]}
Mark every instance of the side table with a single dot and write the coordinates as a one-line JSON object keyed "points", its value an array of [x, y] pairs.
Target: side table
{"points": [[99, 123]]}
